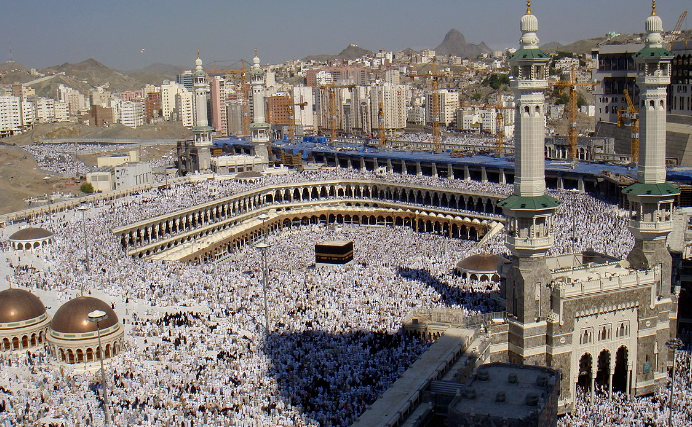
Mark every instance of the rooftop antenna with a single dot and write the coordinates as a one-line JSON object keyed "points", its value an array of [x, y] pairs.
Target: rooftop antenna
{"points": [[9, 43]]}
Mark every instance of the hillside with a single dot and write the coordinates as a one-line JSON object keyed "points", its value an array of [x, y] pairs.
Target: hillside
{"points": [[84, 76], [96, 74], [156, 73], [350, 53]]}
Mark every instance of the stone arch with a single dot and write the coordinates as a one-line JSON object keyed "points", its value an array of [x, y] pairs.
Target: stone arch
{"points": [[90, 354], [584, 373], [25, 341], [603, 368], [621, 370], [80, 355]]}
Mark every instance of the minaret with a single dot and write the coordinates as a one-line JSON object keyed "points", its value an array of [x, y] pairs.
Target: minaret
{"points": [[529, 210], [259, 128], [651, 198], [201, 131]]}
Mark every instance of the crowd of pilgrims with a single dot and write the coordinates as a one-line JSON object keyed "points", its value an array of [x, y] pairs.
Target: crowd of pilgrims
{"points": [[197, 351], [647, 411], [63, 159]]}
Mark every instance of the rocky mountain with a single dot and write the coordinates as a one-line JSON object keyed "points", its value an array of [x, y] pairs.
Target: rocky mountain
{"points": [[95, 74], [454, 43], [350, 53]]}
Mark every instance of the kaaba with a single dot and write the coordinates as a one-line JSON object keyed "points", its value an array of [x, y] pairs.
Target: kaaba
{"points": [[334, 252]]}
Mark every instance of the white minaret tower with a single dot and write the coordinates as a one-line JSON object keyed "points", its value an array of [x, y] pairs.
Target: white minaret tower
{"points": [[201, 130], [651, 198], [259, 128], [197, 157], [529, 210]]}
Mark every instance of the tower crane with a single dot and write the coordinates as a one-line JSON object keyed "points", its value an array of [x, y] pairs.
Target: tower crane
{"points": [[499, 125], [333, 117], [291, 114], [380, 129], [435, 107], [632, 115], [572, 110], [676, 31]]}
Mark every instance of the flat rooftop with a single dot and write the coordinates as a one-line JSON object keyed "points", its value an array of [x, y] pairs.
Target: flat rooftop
{"points": [[515, 405]]}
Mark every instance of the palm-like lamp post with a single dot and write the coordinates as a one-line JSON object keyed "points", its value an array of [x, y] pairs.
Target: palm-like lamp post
{"points": [[98, 316]]}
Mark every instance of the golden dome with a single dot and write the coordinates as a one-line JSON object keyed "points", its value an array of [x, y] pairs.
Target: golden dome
{"points": [[18, 305], [72, 317]]}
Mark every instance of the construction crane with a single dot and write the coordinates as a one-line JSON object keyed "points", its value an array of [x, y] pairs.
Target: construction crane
{"points": [[380, 128], [675, 34], [572, 110], [291, 114], [632, 115], [435, 107], [333, 117], [499, 124]]}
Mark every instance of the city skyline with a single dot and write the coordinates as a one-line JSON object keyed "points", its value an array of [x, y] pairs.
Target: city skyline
{"points": [[171, 33]]}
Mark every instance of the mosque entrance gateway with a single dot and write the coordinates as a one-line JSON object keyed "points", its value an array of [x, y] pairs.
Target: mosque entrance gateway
{"points": [[585, 369], [621, 371], [603, 373]]}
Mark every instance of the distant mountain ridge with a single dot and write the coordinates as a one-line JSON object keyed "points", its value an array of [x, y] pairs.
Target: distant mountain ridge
{"points": [[351, 52], [455, 43]]}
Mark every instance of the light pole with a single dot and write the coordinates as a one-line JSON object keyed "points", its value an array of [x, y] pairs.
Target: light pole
{"points": [[264, 217], [83, 210], [97, 316], [674, 344]]}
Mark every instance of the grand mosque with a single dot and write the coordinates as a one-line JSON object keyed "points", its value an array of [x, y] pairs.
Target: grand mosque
{"points": [[598, 320]]}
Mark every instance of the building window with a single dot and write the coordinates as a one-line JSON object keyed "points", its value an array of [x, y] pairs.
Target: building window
{"points": [[604, 332], [586, 336]]}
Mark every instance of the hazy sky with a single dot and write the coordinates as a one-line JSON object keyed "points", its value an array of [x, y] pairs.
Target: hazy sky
{"points": [[51, 32]]}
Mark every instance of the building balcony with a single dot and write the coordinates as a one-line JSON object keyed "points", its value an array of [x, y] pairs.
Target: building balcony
{"points": [[531, 244], [652, 227]]}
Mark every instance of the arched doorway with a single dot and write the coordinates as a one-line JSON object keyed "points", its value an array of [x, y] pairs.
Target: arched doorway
{"points": [[585, 367], [620, 374], [603, 373]]}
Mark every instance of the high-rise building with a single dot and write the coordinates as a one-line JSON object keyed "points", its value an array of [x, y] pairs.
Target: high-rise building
{"points": [[186, 79], [152, 107], [680, 92], [304, 108], [131, 113], [449, 103], [217, 104], [394, 102], [184, 108], [169, 91], [278, 109]]}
